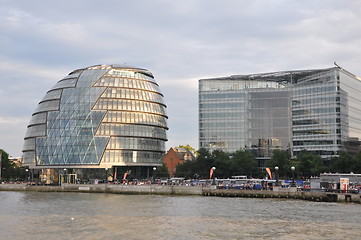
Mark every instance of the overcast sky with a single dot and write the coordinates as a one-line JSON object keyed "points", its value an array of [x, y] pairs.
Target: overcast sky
{"points": [[180, 42]]}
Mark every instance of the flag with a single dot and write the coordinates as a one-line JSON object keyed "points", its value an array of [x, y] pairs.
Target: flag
{"points": [[125, 175], [211, 173], [268, 170]]}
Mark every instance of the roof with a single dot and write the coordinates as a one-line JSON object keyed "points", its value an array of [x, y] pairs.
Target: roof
{"points": [[282, 76], [183, 152], [115, 66]]}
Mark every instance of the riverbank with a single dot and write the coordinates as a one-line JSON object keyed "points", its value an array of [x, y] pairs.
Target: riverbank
{"points": [[109, 188], [309, 196], [187, 190]]}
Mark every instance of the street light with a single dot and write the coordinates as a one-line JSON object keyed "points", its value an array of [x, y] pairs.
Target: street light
{"points": [[293, 184], [65, 176], [27, 170], [277, 168], [106, 175], [30, 176], [154, 169]]}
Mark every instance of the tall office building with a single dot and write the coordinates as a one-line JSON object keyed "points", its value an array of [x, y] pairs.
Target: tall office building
{"points": [[316, 110], [103, 116]]}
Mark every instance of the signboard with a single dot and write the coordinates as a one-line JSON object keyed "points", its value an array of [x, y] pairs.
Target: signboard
{"points": [[344, 183]]}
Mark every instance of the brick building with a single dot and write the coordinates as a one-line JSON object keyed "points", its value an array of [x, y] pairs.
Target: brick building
{"points": [[175, 156]]}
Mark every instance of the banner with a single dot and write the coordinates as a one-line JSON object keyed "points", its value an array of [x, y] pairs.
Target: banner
{"points": [[211, 173], [268, 170], [125, 175], [344, 183]]}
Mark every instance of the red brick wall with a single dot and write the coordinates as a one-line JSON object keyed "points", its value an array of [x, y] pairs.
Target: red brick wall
{"points": [[171, 160]]}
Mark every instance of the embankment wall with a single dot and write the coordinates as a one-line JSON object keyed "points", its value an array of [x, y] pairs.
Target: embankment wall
{"points": [[186, 190]]}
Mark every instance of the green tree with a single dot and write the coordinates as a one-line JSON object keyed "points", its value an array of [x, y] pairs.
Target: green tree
{"points": [[201, 166], [204, 162], [342, 164], [162, 172], [309, 164], [186, 169], [221, 162], [280, 158], [357, 163], [189, 148], [9, 170], [243, 163]]}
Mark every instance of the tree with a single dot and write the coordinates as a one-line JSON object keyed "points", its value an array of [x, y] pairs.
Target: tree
{"points": [[309, 164], [185, 169], [204, 162], [243, 163], [342, 164], [357, 163], [280, 158], [191, 149], [162, 171], [221, 162], [9, 170], [202, 165]]}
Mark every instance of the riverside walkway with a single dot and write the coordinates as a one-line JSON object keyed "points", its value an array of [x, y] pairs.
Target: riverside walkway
{"points": [[187, 190]]}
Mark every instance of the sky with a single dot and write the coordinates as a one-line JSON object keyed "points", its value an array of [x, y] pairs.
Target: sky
{"points": [[180, 42]]}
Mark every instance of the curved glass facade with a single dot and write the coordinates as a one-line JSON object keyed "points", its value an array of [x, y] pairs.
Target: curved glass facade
{"points": [[100, 116]]}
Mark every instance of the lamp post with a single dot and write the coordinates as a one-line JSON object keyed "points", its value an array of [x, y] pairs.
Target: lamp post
{"points": [[31, 176], [27, 170], [106, 175], [154, 169], [293, 176], [28, 175], [65, 177], [277, 168]]}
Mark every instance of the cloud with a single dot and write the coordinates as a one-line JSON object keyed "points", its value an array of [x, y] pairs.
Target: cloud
{"points": [[11, 120], [179, 41], [25, 69], [23, 85], [12, 134]]}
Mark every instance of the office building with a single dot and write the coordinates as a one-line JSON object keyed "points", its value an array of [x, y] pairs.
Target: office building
{"points": [[101, 117], [316, 110]]}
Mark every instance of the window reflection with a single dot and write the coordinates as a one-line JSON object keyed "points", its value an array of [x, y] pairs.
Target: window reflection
{"points": [[99, 112]]}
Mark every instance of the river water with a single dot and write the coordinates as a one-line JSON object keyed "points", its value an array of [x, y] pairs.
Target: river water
{"points": [[38, 215]]}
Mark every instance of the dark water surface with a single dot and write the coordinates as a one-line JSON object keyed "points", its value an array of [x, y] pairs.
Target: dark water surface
{"points": [[33, 215]]}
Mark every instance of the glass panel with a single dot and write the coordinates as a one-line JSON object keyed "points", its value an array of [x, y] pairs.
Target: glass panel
{"points": [[38, 118], [136, 144], [131, 130], [52, 105], [36, 131], [54, 94], [67, 83], [29, 144], [129, 156]]}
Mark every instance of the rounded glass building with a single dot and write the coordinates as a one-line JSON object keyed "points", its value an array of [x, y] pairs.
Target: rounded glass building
{"points": [[101, 116]]}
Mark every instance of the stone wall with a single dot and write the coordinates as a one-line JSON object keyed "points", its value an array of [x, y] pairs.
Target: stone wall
{"points": [[186, 190]]}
